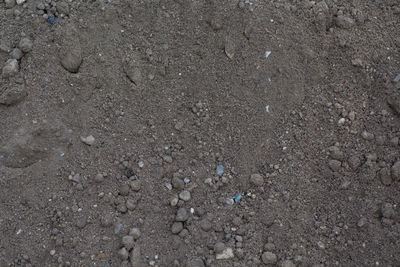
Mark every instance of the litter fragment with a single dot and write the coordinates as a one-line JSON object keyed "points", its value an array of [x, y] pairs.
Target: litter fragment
{"points": [[168, 186], [267, 108], [186, 180], [51, 20], [237, 198], [220, 170], [267, 53], [396, 79]]}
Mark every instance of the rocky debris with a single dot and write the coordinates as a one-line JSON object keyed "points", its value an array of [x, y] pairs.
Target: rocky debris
{"points": [[288, 263], [135, 185], [89, 140], [335, 165], [9, 3], [176, 227], [124, 190], [123, 254], [20, 2], [226, 254], [16, 53], [384, 175], [354, 162], [394, 104], [344, 22], [205, 225], [219, 247], [136, 257], [99, 178], [335, 153], [230, 48], [177, 183], [132, 67], [387, 210], [269, 258], [72, 60], [396, 79], [25, 45], [395, 171], [106, 220], [185, 195], [62, 8], [182, 215], [135, 233], [128, 242], [195, 262], [363, 221], [367, 136], [14, 95], [10, 68], [256, 179]]}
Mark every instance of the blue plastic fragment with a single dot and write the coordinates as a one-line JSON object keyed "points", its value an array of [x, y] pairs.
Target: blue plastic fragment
{"points": [[51, 20], [237, 198], [220, 170]]}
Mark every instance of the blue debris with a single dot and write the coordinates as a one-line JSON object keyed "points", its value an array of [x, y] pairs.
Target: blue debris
{"points": [[51, 20], [237, 198], [220, 170]]}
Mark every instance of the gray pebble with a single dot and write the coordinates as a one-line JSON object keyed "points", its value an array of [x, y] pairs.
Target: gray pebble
{"points": [[269, 247], [195, 262], [206, 225], [354, 162], [99, 178], [387, 210], [395, 171], [135, 233], [396, 79], [9, 3], [124, 190], [40, 6], [176, 227], [256, 179], [269, 258], [219, 247], [182, 215], [10, 68], [122, 208], [344, 22], [25, 45], [363, 221], [16, 54], [178, 183], [184, 195], [394, 141], [130, 204], [118, 228], [106, 220], [62, 8], [128, 241], [167, 158], [136, 185], [335, 153], [136, 257], [123, 254], [72, 60], [81, 222], [288, 263], [367, 136], [384, 175], [335, 165], [89, 140]]}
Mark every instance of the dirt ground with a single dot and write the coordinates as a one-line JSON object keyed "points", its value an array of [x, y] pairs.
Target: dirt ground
{"points": [[199, 133]]}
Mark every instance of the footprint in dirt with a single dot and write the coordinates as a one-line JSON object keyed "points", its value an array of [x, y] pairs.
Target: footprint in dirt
{"points": [[32, 144]]}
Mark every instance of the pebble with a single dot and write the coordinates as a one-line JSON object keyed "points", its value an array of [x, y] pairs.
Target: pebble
{"points": [[288, 263], [229, 48], [269, 258], [219, 247], [174, 201], [9, 3], [106, 220], [167, 159], [135, 233], [182, 215], [394, 141], [136, 257], [396, 79], [225, 254], [206, 225], [81, 222], [128, 241], [10, 68], [72, 60], [135, 185], [395, 171], [387, 210], [220, 170], [130, 204], [335, 165], [123, 254], [367, 136], [354, 162], [89, 140], [335, 153], [256, 179], [25, 44], [385, 176], [20, 2], [185, 195], [16, 53], [363, 221], [344, 22], [99, 178], [124, 190], [13, 95], [176, 227], [178, 183], [195, 262]]}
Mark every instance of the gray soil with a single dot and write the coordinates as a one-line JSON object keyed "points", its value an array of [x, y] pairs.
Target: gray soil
{"points": [[199, 133]]}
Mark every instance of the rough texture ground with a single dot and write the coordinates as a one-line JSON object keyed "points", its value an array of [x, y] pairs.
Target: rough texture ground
{"points": [[199, 133]]}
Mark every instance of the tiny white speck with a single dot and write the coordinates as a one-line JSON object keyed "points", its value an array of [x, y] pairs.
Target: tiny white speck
{"points": [[180, 74], [267, 53], [192, 210], [19, 231], [271, 20], [267, 108], [80, 209]]}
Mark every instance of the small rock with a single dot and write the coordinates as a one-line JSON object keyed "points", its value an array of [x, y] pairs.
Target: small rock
{"points": [[269, 258], [176, 227], [72, 60], [394, 141], [354, 162], [344, 22], [62, 8], [387, 210], [25, 44], [367, 136], [256, 179], [396, 79], [395, 171], [135, 185], [136, 257], [220, 170], [363, 221], [352, 115], [206, 225], [20, 2], [178, 183], [14, 95], [123, 254], [99, 178], [106, 220], [89, 140], [128, 241], [174, 201], [130, 204], [226, 254], [16, 54], [10, 68], [335, 165], [288, 263], [124, 190], [135, 233], [195, 262], [182, 215], [269, 247], [167, 158], [394, 103], [219, 247], [229, 48], [184, 195], [81, 222], [335, 153], [9, 3], [385, 176]]}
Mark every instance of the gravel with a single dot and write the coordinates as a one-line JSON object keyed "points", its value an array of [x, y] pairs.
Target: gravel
{"points": [[124, 190], [395, 171], [182, 215], [219, 247], [384, 175], [25, 45], [123, 254], [89, 140], [387, 210], [195, 262], [335, 165], [72, 60], [10, 68], [185, 195], [128, 241], [176, 227], [206, 225], [256, 179], [16, 53], [177, 183], [135, 233], [135, 185], [227, 253], [9, 3], [367, 136], [269, 258], [354, 162], [99, 178]]}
